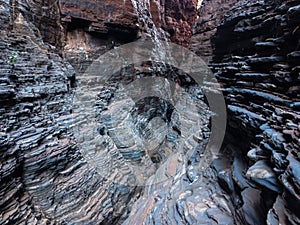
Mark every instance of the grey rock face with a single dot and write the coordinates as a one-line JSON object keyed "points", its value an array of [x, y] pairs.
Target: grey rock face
{"points": [[129, 170], [47, 176], [34, 95], [255, 57]]}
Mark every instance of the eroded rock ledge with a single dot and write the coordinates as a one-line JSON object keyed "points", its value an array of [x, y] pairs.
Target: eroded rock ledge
{"points": [[109, 18], [256, 58], [44, 177]]}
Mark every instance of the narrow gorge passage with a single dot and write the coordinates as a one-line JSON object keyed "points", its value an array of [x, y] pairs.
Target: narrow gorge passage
{"points": [[81, 145]]}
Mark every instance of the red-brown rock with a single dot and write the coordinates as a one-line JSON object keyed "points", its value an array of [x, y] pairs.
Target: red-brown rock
{"points": [[111, 17]]}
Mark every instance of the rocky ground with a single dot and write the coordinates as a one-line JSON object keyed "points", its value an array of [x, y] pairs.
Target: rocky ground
{"points": [[55, 169]]}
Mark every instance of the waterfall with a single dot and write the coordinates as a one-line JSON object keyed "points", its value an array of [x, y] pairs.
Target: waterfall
{"points": [[157, 35], [150, 114]]}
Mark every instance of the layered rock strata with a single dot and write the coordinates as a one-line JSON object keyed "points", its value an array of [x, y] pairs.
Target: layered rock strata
{"points": [[46, 175], [115, 19], [210, 15], [45, 15], [256, 58], [50, 175]]}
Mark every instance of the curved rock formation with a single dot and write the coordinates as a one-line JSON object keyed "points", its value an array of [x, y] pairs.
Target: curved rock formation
{"points": [[54, 170], [256, 57]]}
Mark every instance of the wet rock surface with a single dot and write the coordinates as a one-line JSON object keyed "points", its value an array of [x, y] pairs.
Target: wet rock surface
{"points": [[51, 175], [46, 173], [121, 18], [92, 29]]}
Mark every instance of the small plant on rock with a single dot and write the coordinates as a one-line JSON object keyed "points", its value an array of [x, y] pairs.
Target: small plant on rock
{"points": [[12, 59]]}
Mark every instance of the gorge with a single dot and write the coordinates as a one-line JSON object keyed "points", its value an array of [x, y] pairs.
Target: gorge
{"points": [[61, 164]]}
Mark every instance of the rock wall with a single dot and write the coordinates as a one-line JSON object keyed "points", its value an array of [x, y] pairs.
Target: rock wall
{"points": [[180, 16], [106, 17], [44, 177], [256, 58], [210, 14], [115, 19], [34, 90], [45, 15], [92, 28]]}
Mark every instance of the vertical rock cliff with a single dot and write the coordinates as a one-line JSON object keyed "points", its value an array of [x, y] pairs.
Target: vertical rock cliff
{"points": [[255, 55], [210, 15]]}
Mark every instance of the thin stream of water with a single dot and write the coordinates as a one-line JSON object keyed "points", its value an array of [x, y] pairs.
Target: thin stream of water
{"points": [[157, 35]]}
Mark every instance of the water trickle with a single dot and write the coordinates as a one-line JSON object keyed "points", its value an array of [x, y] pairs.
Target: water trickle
{"points": [[156, 116], [157, 35]]}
